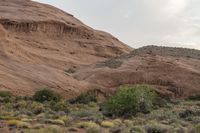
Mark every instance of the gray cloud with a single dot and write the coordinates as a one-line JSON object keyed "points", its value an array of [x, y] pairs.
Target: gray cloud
{"points": [[140, 22]]}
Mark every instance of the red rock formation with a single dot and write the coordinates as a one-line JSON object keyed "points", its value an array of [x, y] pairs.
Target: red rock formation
{"points": [[39, 43], [175, 72]]}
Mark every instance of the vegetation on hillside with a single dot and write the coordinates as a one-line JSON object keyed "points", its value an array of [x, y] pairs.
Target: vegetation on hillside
{"points": [[134, 109], [130, 100]]}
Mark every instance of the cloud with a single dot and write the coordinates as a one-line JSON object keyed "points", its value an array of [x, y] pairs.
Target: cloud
{"points": [[140, 22], [174, 7]]}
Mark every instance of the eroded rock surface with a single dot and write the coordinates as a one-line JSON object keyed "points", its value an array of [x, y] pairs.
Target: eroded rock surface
{"points": [[40, 43]]}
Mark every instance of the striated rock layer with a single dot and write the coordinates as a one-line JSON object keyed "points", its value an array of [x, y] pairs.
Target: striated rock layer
{"points": [[40, 44]]}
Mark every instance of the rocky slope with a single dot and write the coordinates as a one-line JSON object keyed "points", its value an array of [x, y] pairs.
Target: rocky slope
{"points": [[40, 44], [175, 72]]}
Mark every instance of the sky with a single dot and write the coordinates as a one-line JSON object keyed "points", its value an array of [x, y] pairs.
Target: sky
{"points": [[140, 22]]}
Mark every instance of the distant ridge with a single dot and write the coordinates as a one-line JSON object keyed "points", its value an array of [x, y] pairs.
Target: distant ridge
{"points": [[168, 51], [175, 72]]}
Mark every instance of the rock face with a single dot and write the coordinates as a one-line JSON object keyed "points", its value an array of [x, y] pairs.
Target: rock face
{"points": [[41, 45], [175, 72]]}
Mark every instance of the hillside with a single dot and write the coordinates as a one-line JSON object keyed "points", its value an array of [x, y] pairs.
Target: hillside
{"points": [[58, 75], [40, 44], [175, 72], [44, 47]]}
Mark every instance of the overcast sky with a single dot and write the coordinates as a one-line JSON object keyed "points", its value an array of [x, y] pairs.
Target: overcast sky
{"points": [[140, 22]]}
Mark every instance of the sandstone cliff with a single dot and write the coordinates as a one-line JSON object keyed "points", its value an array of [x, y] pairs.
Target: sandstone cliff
{"points": [[39, 44]]}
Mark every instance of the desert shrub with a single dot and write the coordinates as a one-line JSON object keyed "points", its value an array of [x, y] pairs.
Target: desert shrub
{"points": [[46, 95], [25, 98], [107, 124], [17, 123], [163, 114], [49, 129], [91, 127], [94, 129], [162, 102], [84, 99], [197, 128], [194, 98], [6, 100], [38, 109], [73, 129], [5, 94], [7, 117], [128, 123], [115, 129], [38, 126], [137, 129], [67, 119], [124, 129], [178, 128], [156, 128], [194, 119], [34, 108], [54, 122], [186, 113], [129, 100], [82, 113], [20, 104], [60, 106], [117, 122]]}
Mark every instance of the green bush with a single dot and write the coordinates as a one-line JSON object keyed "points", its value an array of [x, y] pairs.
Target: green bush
{"points": [[129, 100], [197, 128], [186, 113], [91, 127], [194, 98], [82, 113], [6, 97], [48, 129], [60, 106], [38, 109], [5, 94], [84, 99], [156, 129], [46, 95]]}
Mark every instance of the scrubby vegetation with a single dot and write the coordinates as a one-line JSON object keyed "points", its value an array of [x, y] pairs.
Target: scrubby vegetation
{"points": [[112, 63], [167, 51], [130, 100], [194, 97], [138, 103], [5, 94], [46, 95], [84, 99]]}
